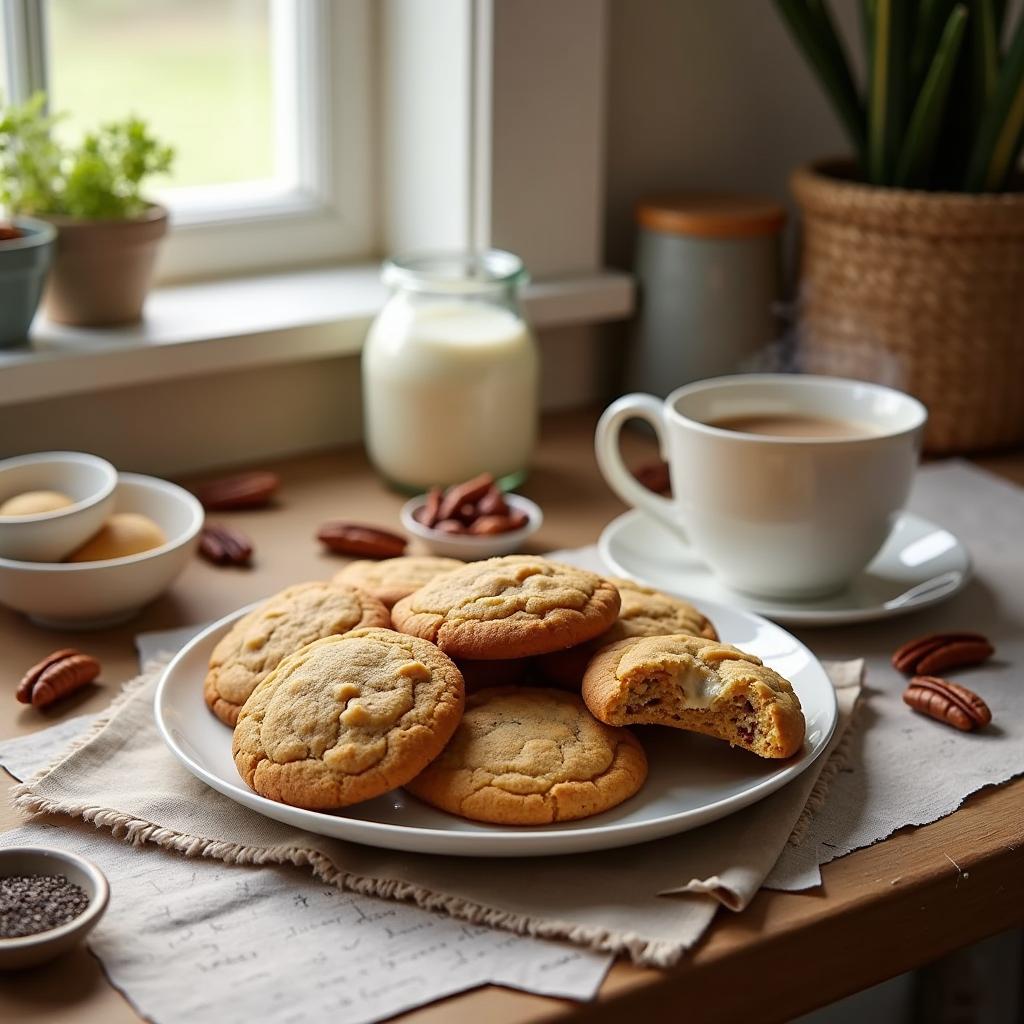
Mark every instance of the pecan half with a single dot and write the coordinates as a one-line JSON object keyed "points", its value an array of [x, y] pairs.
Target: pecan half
{"points": [[487, 525], [654, 476], [244, 490], [365, 541], [450, 526], [224, 545], [468, 493], [57, 675], [940, 652], [493, 503], [947, 702], [430, 511]]}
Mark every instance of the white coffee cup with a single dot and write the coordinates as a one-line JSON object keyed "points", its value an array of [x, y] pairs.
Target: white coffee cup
{"points": [[783, 517]]}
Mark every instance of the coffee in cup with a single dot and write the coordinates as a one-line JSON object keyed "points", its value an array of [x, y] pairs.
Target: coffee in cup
{"points": [[786, 485]]}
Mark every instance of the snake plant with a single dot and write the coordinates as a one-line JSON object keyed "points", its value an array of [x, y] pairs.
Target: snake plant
{"points": [[942, 101]]}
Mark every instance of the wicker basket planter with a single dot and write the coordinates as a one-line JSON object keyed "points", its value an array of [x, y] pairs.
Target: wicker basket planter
{"points": [[920, 290]]}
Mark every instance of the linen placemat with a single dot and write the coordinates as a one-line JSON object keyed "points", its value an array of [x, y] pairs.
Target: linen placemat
{"points": [[904, 769], [651, 901]]}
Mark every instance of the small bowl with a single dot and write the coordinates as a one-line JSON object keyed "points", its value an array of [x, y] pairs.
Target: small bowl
{"points": [[51, 536], [92, 595], [31, 950], [465, 545]]}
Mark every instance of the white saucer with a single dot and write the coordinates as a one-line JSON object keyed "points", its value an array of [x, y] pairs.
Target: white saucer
{"points": [[919, 565], [692, 779]]}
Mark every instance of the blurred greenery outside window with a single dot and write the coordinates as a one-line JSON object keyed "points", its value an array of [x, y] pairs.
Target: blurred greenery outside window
{"points": [[267, 104], [197, 71]]}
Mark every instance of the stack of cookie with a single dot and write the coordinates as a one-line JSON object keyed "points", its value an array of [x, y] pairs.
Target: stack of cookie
{"points": [[331, 706]]}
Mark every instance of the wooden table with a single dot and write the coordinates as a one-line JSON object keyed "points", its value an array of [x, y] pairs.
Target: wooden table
{"points": [[881, 911]]}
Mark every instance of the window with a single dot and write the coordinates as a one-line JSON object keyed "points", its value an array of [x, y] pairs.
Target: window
{"points": [[265, 101]]}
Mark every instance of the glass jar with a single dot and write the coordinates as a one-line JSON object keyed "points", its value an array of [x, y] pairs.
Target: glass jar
{"points": [[450, 372]]}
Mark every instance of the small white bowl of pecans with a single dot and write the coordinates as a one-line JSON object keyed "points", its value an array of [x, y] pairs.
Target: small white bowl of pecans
{"points": [[472, 520]]}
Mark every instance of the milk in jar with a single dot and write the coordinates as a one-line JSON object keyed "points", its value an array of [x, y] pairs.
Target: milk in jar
{"points": [[450, 372]]}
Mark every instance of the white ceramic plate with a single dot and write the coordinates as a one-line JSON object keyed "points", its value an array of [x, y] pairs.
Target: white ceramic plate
{"points": [[693, 779], [919, 565]]}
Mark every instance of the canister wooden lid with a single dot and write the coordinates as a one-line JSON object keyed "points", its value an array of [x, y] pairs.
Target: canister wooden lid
{"points": [[711, 215]]}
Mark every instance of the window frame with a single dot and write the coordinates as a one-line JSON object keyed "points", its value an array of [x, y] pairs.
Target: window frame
{"points": [[326, 211]]}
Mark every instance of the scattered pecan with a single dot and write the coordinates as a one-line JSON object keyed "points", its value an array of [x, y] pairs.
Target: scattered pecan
{"points": [[947, 702], [365, 541], [224, 545], [468, 493], [245, 490], [940, 652], [654, 476], [57, 675]]}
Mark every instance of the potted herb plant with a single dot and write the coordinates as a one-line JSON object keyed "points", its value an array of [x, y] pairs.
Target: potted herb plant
{"points": [[912, 252], [107, 233]]}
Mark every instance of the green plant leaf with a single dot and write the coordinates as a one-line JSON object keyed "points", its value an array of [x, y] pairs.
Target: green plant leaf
{"points": [[918, 149], [998, 141], [100, 178], [887, 97], [984, 56], [811, 26]]}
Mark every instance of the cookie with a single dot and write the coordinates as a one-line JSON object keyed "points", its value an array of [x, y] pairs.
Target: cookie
{"points": [[510, 607], [531, 756], [394, 578], [279, 627], [644, 612], [347, 718], [688, 682]]}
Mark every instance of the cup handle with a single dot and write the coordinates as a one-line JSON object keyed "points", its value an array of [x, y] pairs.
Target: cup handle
{"points": [[613, 469]]}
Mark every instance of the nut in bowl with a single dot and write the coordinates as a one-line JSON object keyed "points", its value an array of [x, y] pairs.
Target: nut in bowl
{"points": [[94, 594], [472, 520]]}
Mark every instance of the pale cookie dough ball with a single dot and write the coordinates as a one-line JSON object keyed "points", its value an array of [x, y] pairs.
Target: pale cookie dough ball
{"points": [[32, 503], [124, 533]]}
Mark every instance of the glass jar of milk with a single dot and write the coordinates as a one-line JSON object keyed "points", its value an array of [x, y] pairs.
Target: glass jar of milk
{"points": [[450, 372]]}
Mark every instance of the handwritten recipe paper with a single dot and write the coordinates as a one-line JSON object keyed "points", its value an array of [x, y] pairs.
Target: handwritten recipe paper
{"points": [[190, 940]]}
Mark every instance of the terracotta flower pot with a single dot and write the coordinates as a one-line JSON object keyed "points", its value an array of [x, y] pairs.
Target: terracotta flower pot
{"points": [[103, 268], [920, 290]]}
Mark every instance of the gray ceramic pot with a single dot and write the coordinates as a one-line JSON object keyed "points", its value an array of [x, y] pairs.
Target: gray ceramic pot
{"points": [[24, 263]]}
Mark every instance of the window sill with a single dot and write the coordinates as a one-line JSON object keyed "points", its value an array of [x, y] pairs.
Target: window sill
{"points": [[198, 329]]}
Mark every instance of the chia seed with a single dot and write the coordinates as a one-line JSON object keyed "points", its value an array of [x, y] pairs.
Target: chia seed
{"points": [[30, 904]]}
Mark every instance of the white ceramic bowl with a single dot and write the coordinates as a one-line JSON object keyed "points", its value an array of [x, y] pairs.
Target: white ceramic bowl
{"points": [[91, 595], [30, 950], [465, 545], [51, 536]]}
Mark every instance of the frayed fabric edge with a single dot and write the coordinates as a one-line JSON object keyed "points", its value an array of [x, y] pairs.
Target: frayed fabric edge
{"points": [[647, 952]]}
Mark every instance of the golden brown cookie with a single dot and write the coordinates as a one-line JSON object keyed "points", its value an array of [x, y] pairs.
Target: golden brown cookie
{"points": [[280, 626], [644, 612], [394, 578], [688, 682], [510, 607], [347, 718], [531, 756]]}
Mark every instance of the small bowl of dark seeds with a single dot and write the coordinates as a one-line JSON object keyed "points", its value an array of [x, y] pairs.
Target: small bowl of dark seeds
{"points": [[49, 901]]}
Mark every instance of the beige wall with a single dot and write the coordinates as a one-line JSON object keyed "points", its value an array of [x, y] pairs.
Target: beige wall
{"points": [[707, 94]]}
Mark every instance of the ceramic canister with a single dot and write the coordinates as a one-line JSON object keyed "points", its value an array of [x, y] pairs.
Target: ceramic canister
{"points": [[709, 272]]}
